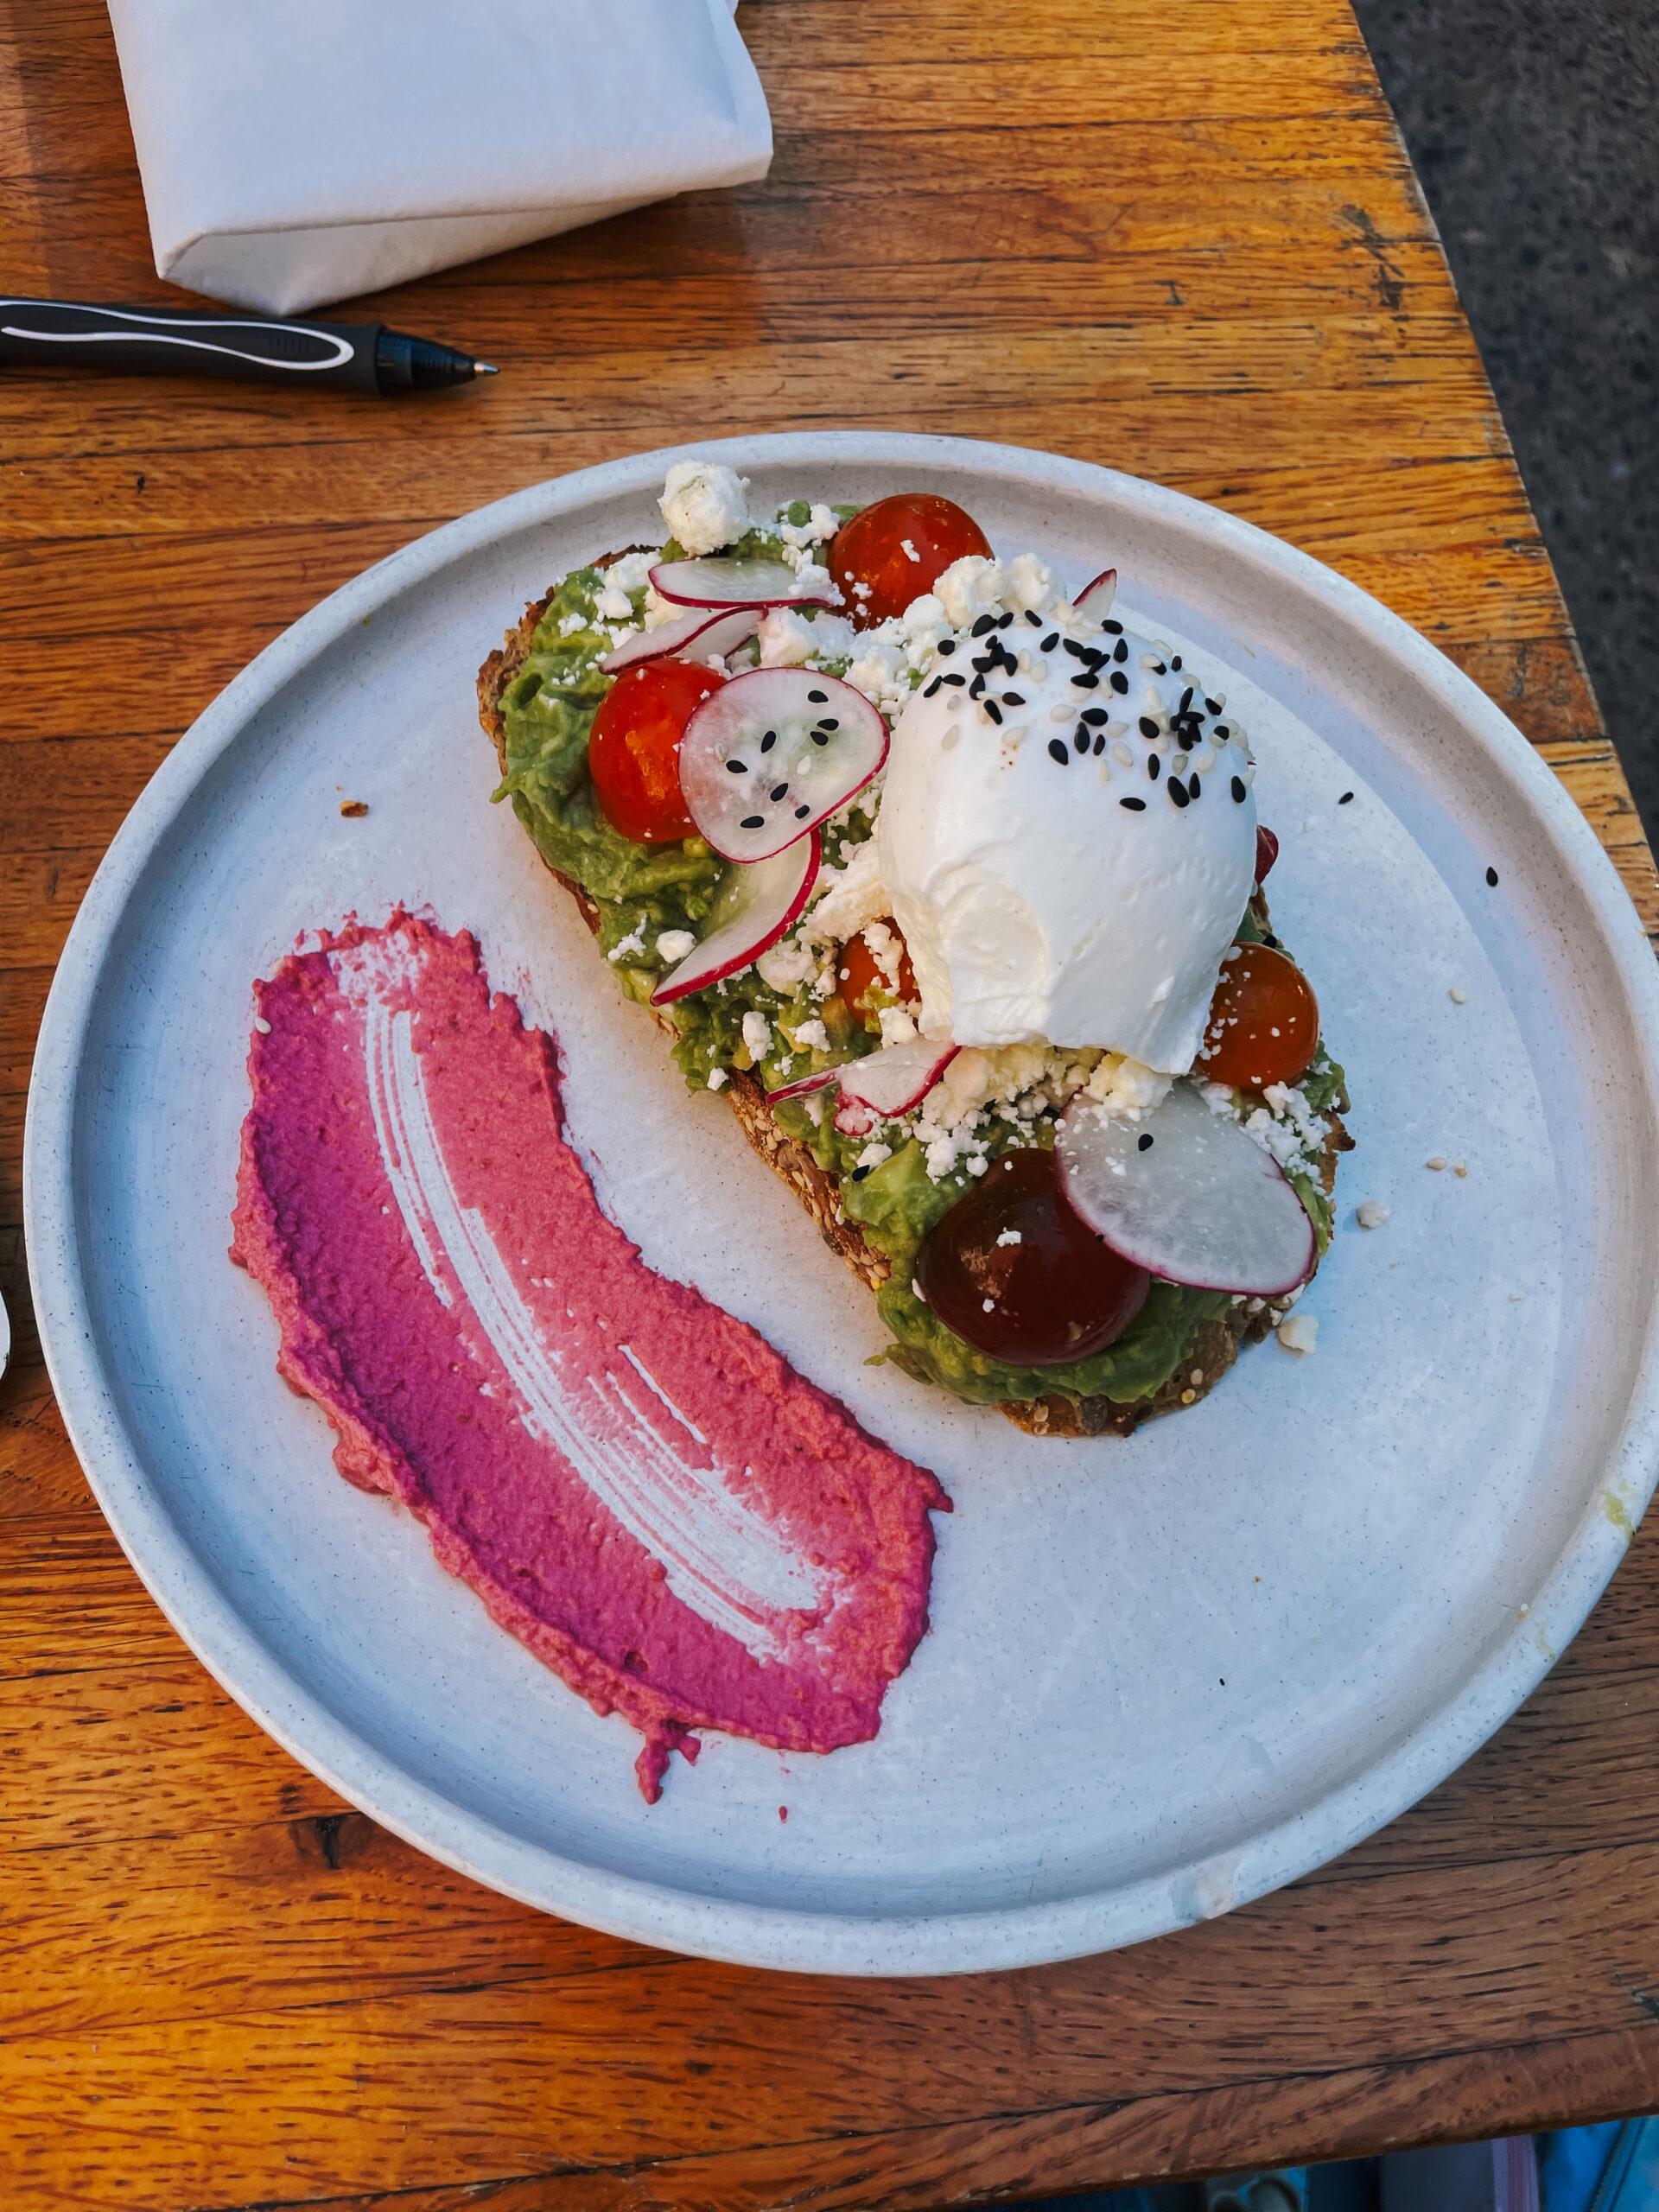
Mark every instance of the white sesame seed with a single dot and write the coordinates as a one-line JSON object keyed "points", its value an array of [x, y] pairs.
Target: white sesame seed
{"points": [[1123, 754], [262, 1025], [1437, 1163], [1459, 1168], [1458, 996], [1063, 713]]}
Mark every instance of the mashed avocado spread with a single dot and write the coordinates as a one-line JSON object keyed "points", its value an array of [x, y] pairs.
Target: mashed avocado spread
{"points": [[642, 891]]}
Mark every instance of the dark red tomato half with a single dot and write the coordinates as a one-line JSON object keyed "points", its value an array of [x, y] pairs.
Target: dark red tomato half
{"points": [[633, 751], [1016, 1274], [892, 552]]}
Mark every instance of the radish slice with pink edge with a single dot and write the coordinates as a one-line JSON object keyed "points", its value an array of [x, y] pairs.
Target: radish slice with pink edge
{"points": [[1095, 599], [727, 579], [698, 635], [752, 909], [773, 754], [1185, 1193], [879, 1087]]}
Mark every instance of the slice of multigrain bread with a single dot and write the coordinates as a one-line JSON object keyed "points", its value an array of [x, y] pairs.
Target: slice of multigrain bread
{"points": [[1214, 1348]]}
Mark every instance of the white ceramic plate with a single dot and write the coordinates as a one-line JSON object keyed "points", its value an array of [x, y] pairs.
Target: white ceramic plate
{"points": [[1164, 1676]]}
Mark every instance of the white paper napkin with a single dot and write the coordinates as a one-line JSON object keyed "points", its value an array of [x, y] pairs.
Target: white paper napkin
{"points": [[296, 151]]}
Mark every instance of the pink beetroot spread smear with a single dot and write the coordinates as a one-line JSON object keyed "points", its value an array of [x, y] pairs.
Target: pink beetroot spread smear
{"points": [[636, 1484]]}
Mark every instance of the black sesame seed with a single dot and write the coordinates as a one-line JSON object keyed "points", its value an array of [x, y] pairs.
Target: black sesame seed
{"points": [[994, 711], [769, 741], [1076, 651], [1147, 727], [1157, 669], [1033, 618], [1086, 682], [1119, 682], [1121, 651], [752, 821], [1154, 767], [819, 698], [1115, 628], [1222, 731], [1048, 644], [1094, 715], [955, 678], [928, 689], [1212, 706], [1236, 787], [982, 661], [1100, 741], [1013, 699], [1344, 800], [1057, 751], [946, 645], [1193, 786], [859, 1173], [1080, 738], [1491, 877], [1177, 791], [1134, 805], [1272, 943], [1004, 623], [737, 767], [1187, 700], [801, 813], [977, 687], [779, 791], [985, 622], [1143, 1143], [1175, 660]]}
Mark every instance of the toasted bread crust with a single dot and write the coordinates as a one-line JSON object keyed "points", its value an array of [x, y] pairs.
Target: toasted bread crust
{"points": [[1214, 1348]]}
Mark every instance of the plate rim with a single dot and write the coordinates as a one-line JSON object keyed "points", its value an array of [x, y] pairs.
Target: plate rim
{"points": [[738, 1932]]}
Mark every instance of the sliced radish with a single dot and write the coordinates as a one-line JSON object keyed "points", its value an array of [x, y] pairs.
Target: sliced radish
{"points": [[881, 1087], [701, 634], [721, 579], [1267, 851], [774, 753], [1095, 599], [1186, 1194], [755, 906]]}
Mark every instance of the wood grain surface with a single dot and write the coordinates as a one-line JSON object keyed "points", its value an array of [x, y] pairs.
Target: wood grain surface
{"points": [[1178, 236]]}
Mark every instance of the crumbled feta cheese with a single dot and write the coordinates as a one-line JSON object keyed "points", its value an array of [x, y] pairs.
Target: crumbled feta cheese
{"points": [[812, 580], [1029, 582], [674, 944], [1125, 1088], [569, 624], [810, 1036], [703, 506], [1371, 1213], [920, 627], [717, 1078], [632, 942], [633, 572], [897, 1027], [881, 672], [786, 638], [613, 605], [1298, 1333], [968, 589], [873, 1154], [757, 1034], [909, 550], [1008, 1236], [848, 897], [788, 963]]}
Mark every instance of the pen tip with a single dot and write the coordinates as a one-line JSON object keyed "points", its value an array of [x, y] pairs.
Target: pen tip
{"points": [[485, 369]]}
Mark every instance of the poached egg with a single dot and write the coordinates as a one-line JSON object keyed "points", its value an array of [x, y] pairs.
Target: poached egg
{"points": [[1067, 837]]}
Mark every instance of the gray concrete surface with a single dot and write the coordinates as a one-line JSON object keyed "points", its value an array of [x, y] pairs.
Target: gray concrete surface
{"points": [[1535, 129]]}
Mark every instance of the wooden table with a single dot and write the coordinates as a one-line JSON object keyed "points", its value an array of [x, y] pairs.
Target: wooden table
{"points": [[1179, 236]]}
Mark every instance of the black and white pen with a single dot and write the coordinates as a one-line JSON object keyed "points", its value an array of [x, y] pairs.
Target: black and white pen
{"points": [[327, 356]]}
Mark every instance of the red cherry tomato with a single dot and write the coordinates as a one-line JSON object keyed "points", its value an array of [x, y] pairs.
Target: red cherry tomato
{"points": [[633, 751], [857, 973], [1264, 1021], [1267, 851], [1057, 1294], [878, 577]]}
